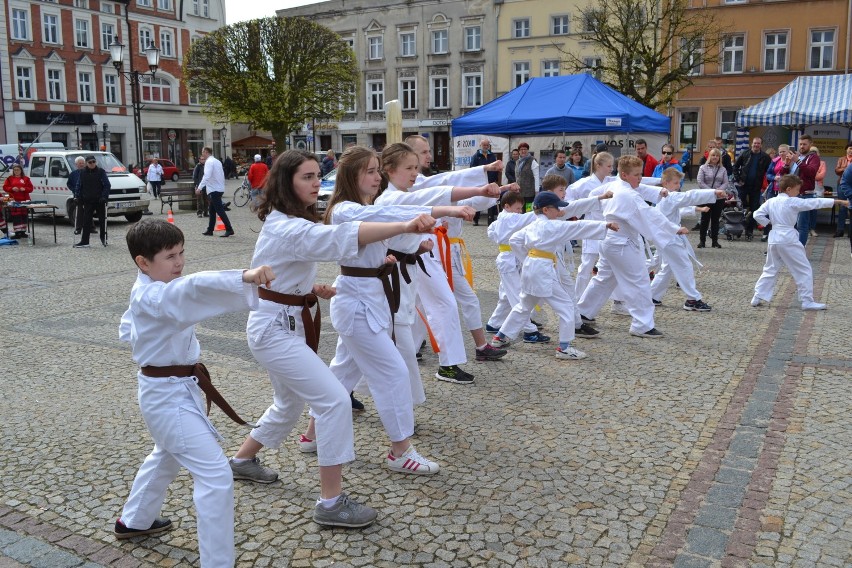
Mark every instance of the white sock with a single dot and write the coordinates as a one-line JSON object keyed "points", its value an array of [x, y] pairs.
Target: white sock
{"points": [[481, 346], [240, 460], [328, 503]]}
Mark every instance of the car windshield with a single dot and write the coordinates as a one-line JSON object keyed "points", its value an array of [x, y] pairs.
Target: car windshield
{"points": [[331, 176], [106, 161]]}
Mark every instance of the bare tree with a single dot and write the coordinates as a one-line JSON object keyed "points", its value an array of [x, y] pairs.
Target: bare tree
{"points": [[650, 50]]}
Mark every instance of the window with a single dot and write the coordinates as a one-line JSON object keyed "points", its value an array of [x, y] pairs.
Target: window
{"points": [[84, 86], [406, 45], [205, 8], [145, 3], [688, 132], [775, 51], [440, 92], [350, 41], [590, 21], [81, 33], [24, 78], [145, 38], [728, 125], [107, 35], [107, 8], [375, 96], [164, 4], [81, 4], [408, 94], [54, 84], [111, 88], [521, 28], [520, 73], [20, 24], [733, 53], [690, 55], [166, 44], [472, 90], [822, 49], [440, 41], [559, 25], [156, 90], [197, 98], [593, 67], [473, 38], [51, 28], [550, 68], [376, 47], [354, 98]]}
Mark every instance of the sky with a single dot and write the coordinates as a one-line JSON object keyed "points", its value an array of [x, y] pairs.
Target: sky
{"points": [[239, 10]]}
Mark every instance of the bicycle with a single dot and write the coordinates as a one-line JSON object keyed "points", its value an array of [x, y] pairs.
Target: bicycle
{"points": [[241, 194]]}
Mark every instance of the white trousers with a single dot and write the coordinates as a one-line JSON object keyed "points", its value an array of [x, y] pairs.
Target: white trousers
{"points": [[560, 300], [793, 256], [622, 266], [374, 356], [299, 376], [584, 276], [675, 262], [466, 297], [509, 294], [442, 312], [183, 437]]}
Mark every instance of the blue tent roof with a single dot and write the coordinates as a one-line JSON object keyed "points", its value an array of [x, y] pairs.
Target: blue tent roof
{"points": [[553, 105], [823, 99]]}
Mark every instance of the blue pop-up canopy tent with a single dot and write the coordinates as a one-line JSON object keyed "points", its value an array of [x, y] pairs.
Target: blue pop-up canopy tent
{"points": [[568, 104]]}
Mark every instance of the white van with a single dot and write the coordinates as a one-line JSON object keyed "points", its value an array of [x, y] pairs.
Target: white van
{"points": [[49, 171]]}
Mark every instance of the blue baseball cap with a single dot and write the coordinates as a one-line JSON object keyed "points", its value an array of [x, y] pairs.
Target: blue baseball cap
{"points": [[545, 198]]}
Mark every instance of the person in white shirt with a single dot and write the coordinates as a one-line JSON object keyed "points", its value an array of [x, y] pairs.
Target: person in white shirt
{"points": [[785, 248], [155, 176], [214, 182]]}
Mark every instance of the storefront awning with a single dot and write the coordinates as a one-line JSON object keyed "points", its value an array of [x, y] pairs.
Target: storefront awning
{"points": [[824, 99]]}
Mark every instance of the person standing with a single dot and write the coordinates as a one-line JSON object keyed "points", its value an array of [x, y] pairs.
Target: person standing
{"points": [[270, 159], [73, 185], [214, 182], [842, 163], [328, 163], [807, 166], [561, 169], [485, 156], [526, 174], [649, 162], [712, 175], [257, 177], [749, 171], [666, 161], [686, 162], [510, 166], [19, 187], [94, 193], [197, 174], [155, 177]]}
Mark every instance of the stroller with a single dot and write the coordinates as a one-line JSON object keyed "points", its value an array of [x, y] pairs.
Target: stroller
{"points": [[733, 217]]}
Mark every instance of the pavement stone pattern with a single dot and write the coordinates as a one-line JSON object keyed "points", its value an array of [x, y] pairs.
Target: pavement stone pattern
{"points": [[727, 443]]}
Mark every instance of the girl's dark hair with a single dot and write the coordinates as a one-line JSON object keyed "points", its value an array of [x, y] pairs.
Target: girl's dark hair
{"points": [[354, 161], [278, 193], [150, 236]]}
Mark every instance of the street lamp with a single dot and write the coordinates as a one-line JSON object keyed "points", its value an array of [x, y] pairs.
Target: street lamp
{"points": [[106, 137], [224, 137], [152, 54]]}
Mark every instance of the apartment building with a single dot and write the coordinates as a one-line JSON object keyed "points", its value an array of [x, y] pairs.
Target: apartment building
{"points": [[55, 62], [437, 58]]}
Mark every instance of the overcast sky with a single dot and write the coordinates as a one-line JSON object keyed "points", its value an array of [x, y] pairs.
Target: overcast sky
{"points": [[239, 10]]}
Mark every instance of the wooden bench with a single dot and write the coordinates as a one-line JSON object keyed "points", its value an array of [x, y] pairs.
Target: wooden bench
{"points": [[184, 192]]}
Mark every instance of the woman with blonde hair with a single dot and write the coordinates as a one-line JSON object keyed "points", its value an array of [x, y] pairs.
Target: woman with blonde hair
{"points": [[712, 175]]}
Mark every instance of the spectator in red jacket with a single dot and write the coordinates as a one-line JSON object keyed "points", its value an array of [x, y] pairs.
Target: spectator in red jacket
{"points": [[647, 159], [19, 187], [806, 168], [257, 177]]}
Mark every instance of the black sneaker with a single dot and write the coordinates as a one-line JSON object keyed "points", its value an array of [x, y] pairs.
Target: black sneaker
{"points": [[584, 318], [586, 331], [695, 306], [419, 356], [489, 353], [652, 333], [656, 302], [159, 525], [453, 374], [81, 246], [357, 405], [491, 328]]}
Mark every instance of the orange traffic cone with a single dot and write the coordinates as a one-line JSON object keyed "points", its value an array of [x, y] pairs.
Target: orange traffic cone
{"points": [[220, 226], [170, 218]]}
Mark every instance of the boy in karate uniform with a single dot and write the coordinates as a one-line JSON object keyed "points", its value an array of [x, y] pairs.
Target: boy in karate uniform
{"points": [[785, 249]]}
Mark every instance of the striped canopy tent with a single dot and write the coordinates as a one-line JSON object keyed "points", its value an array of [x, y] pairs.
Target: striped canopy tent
{"points": [[823, 99]]}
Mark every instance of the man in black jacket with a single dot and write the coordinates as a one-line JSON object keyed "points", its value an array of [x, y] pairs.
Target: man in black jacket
{"points": [[94, 193], [749, 171], [483, 157]]}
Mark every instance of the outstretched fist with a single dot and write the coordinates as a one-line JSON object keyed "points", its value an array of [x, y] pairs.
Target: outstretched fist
{"points": [[260, 276], [494, 166], [423, 223], [491, 190], [510, 187], [324, 291], [465, 212], [612, 226], [721, 194], [682, 231], [607, 195]]}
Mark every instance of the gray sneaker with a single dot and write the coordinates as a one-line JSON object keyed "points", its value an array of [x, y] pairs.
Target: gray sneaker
{"points": [[252, 471], [347, 513]]}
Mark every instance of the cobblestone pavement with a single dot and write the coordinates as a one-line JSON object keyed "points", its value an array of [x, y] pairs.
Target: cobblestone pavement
{"points": [[727, 443]]}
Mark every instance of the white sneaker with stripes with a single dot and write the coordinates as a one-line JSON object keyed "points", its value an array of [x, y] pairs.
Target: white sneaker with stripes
{"points": [[411, 462]]}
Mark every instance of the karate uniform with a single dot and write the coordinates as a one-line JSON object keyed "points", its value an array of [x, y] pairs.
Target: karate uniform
{"points": [[508, 266], [784, 248], [677, 257], [622, 260], [160, 327], [542, 279], [292, 246]]}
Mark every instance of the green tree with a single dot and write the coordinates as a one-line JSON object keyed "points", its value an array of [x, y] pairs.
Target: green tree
{"points": [[649, 50], [274, 73]]}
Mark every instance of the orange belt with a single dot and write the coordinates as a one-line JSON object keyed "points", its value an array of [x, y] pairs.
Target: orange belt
{"points": [[444, 253]]}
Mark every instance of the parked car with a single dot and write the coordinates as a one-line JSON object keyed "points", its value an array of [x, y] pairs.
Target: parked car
{"points": [[170, 171], [326, 188]]}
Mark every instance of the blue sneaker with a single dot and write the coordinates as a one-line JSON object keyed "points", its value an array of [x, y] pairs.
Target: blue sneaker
{"points": [[536, 337], [491, 328]]}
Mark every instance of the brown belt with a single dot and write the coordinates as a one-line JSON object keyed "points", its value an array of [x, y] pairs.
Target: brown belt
{"points": [[406, 258], [312, 324], [389, 275], [198, 371]]}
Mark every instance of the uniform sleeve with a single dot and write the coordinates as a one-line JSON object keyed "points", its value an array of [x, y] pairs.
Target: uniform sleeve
{"points": [[471, 177], [761, 216], [580, 207], [309, 242], [349, 211], [479, 202], [649, 192], [652, 224], [583, 230], [518, 242], [811, 204], [430, 196], [695, 197]]}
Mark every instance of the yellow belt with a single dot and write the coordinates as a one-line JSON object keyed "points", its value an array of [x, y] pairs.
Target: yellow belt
{"points": [[538, 253], [504, 248], [467, 261]]}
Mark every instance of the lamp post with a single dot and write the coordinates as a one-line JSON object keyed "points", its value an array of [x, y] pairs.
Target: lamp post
{"points": [[152, 54], [106, 137], [224, 137]]}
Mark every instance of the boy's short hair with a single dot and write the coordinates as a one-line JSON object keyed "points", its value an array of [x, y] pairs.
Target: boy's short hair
{"points": [[627, 163], [788, 181], [150, 236], [551, 182], [671, 174], [510, 198]]}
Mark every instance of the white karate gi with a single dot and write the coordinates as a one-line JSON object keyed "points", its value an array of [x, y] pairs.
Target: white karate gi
{"points": [[677, 257], [160, 327], [784, 248], [292, 246], [362, 318], [542, 280], [622, 260], [508, 266]]}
